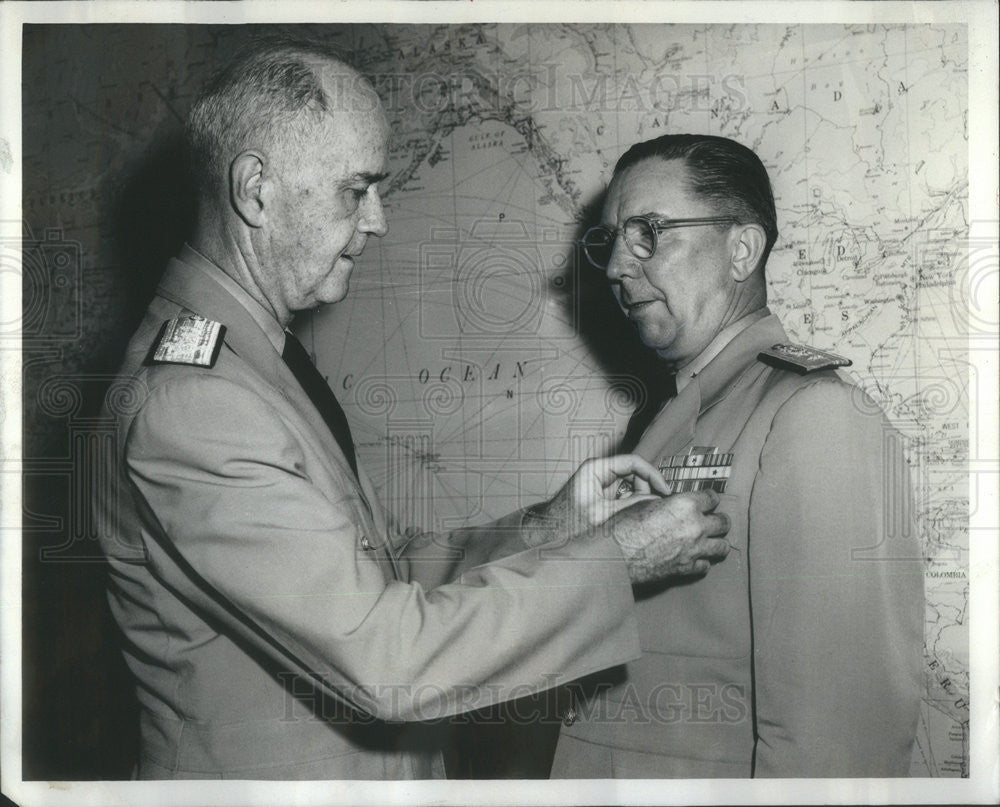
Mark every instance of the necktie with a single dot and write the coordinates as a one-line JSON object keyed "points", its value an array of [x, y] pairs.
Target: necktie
{"points": [[322, 397], [659, 389]]}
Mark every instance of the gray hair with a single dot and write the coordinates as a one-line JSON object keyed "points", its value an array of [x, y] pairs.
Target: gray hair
{"points": [[269, 93]]}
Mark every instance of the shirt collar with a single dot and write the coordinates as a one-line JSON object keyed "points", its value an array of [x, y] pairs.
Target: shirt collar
{"points": [[264, 318], [716, 346]]}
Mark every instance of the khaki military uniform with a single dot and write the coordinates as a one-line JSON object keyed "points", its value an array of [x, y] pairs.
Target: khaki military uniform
{"points": [[799, 655], [273, 629]]}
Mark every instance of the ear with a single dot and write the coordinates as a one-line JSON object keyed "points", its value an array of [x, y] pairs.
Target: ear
{"points": [[748, 247], [246, 178]]}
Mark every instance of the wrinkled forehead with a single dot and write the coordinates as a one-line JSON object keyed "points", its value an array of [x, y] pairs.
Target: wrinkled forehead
{"points": [[652, 186]]}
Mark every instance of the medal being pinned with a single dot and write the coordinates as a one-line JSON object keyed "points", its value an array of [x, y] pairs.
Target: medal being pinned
{"points": [[701, 468]]}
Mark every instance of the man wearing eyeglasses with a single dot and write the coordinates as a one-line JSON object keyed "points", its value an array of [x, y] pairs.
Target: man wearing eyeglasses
{"points": [[800, 655]]}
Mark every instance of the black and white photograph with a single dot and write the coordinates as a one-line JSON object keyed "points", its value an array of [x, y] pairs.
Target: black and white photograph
{"points": [[499, 403]]}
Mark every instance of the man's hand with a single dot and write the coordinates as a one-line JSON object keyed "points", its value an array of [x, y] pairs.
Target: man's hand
{"points": [[677, 535], [590, 497]]}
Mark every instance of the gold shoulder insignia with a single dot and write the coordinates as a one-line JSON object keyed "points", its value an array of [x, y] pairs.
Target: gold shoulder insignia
{"points": [[801, 359], [188, 340]]}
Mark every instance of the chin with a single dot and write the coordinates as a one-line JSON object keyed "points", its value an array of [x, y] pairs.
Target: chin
{"points": [[657, 340], [332, 288], [335, 295]]}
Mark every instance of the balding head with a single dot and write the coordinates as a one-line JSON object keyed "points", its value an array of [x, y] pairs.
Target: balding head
{"points": [[270, 98]]}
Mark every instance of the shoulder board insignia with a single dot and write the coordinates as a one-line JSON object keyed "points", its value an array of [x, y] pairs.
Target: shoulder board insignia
{"points": [[188, 340], [801, 359]]}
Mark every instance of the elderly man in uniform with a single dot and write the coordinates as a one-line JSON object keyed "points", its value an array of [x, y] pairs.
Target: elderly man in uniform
{"points": [[799, 656], [274, 628]]}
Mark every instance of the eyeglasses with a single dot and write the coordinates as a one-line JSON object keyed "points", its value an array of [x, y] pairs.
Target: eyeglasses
{"points": [[640, 236]]}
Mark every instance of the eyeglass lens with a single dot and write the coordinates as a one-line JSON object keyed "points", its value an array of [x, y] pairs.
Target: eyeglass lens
{"points": [[597, 244], [640, 238], [600, 241]]}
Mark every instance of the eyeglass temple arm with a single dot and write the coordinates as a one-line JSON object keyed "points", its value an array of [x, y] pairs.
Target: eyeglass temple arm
{"points": [[671, 224]]}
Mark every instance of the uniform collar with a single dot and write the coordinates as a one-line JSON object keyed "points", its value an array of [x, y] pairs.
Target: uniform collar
{"points": [[674, 426], [265, 319], [720, 375], [717, 345], [189, 282]]}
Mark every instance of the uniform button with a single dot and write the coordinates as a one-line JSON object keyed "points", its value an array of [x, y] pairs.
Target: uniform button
{"points": [[570, 717], [366, 545]]}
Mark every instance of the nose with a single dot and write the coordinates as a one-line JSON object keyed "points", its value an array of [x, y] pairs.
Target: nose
{"points": [[373, 215], [622, 262]]}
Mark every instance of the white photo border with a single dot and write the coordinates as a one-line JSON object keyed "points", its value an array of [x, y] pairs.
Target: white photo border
{"points": [[983, 785]]}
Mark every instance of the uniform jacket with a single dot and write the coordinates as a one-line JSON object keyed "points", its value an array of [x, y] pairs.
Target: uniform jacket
{"points": [[271, 627], [799, 655]]}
